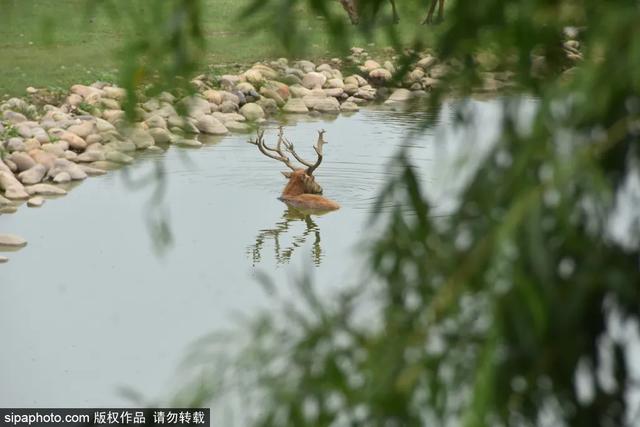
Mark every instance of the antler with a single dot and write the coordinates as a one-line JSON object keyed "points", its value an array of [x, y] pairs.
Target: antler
{"points": [[288, 145], [318, 148], [269, 152]]}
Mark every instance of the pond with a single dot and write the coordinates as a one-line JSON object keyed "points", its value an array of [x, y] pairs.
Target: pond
{"points": [[95, 302]]}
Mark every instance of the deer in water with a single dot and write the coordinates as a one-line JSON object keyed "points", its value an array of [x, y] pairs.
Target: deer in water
{"points": [[352, 9], [302, 192]]}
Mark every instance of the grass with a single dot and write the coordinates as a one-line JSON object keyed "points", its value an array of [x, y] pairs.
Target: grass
{"points": [[54, 44]]}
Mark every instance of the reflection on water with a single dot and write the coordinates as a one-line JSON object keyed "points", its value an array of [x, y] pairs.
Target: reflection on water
{"points": [[283, 230], [88, 305]]}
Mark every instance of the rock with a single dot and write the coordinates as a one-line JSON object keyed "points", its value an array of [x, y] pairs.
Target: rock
{"points": [[103, 165], [356, 79], [298, 91], [350, 89], [90, 156], [62, 178], [71, 155], [228, 107], [370, 65], [428, 82], [74, 99], [116, 93], [272, 94], [31, 144], [12, 241], [335, 83], [33, 175], [314, 80], [104, 126], [335, 92], [156, 121], [141, 138], [15, 144], [56, 149], [327, 105], [3, 259], [210, 125], [400, 95], [234, 126], [349, 107], [213, 96], [380, 75], [75, 142], [91, 171], [45, 190], [295, 106], [24, 130], [252, 112], [389, 67], [43, 158], [438, 71], [22, 161], [40, 135], [64, 165], [160, 136], [110, 104], [113, 116], [269, 106], [35, 202], [5, 202], [12, 166], [426, 62], [118, 157], [86, 92], [183, 142], [229, 81], [13, 117], [253, 76], [266, 71], [13, 189], [415, 75], [93, 139], [82, 130], [196, 106], [367, 93], [280, 88], [245, 87], [151, 104], [306, 66], [225, 117], [186, 125]]}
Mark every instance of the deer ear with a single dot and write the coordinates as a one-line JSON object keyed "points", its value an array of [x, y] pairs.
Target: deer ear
{"points": [[286, 174]]}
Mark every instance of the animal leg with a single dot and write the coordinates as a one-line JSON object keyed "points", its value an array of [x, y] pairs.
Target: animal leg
{"points": [[396, 17], [429, 17], [440, 11]]}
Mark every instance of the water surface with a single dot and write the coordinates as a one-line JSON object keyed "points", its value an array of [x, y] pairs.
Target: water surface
{"points": [[92, 304]]}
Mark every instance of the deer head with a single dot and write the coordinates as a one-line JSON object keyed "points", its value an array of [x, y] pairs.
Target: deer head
{"points": [[302, 191], [301, 180]]}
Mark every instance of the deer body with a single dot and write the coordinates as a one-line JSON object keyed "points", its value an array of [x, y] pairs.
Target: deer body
{"points": [[302, 192], [353, 10], [297, 194]]}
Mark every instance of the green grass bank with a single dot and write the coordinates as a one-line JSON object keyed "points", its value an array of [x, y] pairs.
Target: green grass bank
{"points": [[53, 43]]}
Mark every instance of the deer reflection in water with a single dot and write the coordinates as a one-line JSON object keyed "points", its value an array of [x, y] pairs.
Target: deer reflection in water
{"points": [[280, 231], [303, 198]]}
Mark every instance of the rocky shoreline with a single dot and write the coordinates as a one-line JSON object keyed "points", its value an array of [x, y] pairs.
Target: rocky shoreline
{"points": [[43, 147]]}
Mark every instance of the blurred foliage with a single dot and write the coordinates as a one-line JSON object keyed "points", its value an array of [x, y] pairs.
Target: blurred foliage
{"points": [[521, 308], [164, 45]]}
